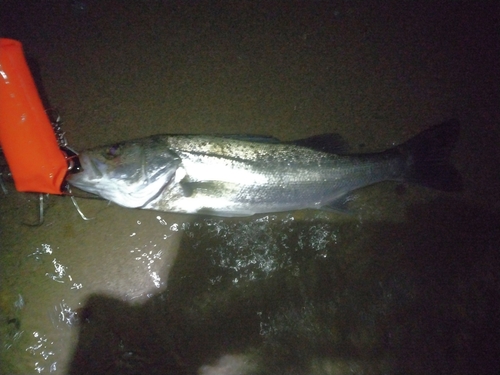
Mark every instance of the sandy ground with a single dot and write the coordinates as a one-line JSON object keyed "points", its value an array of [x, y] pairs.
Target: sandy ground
{"points": [[408, 284]]}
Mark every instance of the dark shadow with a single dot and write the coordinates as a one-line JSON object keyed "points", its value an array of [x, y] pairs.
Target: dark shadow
{"points": [[381, 298], [117, 338]]}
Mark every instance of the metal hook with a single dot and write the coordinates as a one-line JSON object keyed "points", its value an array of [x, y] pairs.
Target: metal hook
{"points": [[2, 184], [73, 199], [4, 170], [41, 213], [41, 209]]}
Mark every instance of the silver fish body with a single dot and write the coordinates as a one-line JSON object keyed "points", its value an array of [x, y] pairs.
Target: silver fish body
{"points": [[231, 176]]}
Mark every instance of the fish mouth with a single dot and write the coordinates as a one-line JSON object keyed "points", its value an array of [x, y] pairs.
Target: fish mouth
{"points": [[90, 171]]}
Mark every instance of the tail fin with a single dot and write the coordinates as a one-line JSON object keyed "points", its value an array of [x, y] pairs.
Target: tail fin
{"points": [[428, 154]]}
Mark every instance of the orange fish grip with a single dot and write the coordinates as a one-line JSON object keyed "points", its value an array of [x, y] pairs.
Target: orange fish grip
{"points": [[27, 138]]}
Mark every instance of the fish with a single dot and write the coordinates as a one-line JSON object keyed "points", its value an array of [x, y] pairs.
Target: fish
{"points": [[233, 176]]}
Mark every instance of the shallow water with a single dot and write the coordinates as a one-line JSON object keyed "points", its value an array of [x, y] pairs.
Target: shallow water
{"points": [[407, 283]]}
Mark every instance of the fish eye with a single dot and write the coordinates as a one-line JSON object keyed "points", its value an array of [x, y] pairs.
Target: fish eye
{"points": [[112, 152]]}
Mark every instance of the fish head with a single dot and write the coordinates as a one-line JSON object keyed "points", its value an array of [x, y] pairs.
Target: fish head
{"points": [[128, 173]]}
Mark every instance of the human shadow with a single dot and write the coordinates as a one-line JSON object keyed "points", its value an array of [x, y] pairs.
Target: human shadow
{"points": [[313, 296]]}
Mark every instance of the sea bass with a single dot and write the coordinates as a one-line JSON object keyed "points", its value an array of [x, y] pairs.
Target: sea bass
{"points": [[243, 176]]}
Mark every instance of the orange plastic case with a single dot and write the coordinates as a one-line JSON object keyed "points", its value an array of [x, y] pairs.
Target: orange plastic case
{"points": [[27, 139]]}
